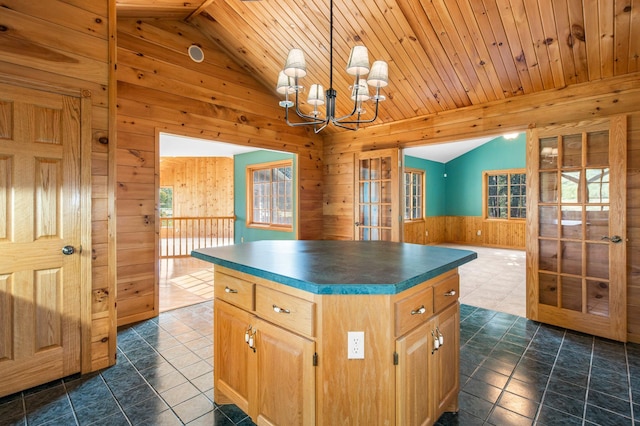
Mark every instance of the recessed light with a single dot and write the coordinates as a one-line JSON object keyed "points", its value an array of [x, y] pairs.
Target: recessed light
{"points": [[195, 53]]}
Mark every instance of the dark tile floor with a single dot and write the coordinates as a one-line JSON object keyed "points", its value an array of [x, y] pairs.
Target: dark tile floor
{"points": [[513, 372]]}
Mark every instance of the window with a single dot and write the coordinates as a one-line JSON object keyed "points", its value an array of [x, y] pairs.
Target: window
{"points": [[505, 194], [413, 194], [270, 193], [166, 201]]}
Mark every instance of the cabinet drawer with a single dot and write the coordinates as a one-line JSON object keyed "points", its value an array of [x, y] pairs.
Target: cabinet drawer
{"points": [[413, 310], [290, 312], [234, 290], [446, 292]]}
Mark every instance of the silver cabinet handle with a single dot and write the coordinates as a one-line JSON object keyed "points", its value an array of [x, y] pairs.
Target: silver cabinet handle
{"points": [[421, 310], [280, 310], [450, 293], [230, 290]]}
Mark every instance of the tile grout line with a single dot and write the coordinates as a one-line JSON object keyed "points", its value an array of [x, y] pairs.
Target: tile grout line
{"points": [[626, 357], [546, 386]]}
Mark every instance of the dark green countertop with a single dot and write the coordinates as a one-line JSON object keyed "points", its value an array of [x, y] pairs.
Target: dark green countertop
{"points": [[339, 267]]}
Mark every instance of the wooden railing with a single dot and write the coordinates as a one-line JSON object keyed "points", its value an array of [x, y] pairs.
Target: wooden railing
{"points": [[180, 235]]}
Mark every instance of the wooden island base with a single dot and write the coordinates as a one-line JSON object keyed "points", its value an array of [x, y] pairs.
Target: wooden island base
{"points": [[283, 313], [280, 353]]}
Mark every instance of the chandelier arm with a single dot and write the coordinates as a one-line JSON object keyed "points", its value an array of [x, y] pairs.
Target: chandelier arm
{"points": [[338, 124], [371, 120], [315, 121]]}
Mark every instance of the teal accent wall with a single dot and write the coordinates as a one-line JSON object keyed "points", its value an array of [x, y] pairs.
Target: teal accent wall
{"points": [[435, 200], [464, 174], [240, 163]]}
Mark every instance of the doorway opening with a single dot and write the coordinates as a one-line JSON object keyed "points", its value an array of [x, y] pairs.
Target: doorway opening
{"points": [[202, 202], [450, 200]]}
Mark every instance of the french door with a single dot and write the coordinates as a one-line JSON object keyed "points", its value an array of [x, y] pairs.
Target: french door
{"points": [[576, 227], [377, 195]]}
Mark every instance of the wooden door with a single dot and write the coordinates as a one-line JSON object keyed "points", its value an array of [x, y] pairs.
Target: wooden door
{"points": [[576, 227], [447, 365], [231, 357], [40, 287], [284, 377], [377, 196], [414, 380]]}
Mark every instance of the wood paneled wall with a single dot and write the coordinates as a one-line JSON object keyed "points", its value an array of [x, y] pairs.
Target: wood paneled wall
{"points": [[464, 230], [63, 46], [161, 89], [572, 104], [202, 186]]}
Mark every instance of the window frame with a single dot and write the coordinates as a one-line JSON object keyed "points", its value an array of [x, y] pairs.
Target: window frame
{"points": [[250, 169], [485, 193], [423, 182]]}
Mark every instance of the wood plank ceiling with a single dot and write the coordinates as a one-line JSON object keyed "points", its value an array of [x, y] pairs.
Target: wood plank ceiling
{"points": [[442, 54]]}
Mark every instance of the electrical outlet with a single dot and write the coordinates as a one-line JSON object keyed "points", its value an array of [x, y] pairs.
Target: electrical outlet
{"points": [[479, 232], [355, 344]]}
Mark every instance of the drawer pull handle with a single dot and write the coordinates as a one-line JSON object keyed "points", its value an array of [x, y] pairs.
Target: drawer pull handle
{"points": [[280, 310], [450, 293], [421, 310], [230, 290]]}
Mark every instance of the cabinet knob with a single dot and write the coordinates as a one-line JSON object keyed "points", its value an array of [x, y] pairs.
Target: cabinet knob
{"points": [[421, 310]]}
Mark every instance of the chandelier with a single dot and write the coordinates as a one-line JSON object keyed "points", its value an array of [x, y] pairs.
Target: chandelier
{"points": [[358, 66]]}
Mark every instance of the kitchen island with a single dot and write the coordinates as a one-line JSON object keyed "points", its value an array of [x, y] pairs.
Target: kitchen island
{"points": [[285, 313]]}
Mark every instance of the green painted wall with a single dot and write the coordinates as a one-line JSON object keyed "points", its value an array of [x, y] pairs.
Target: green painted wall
{"points": [[435, 200], [464, 174], [241, 161], [460, 192]]}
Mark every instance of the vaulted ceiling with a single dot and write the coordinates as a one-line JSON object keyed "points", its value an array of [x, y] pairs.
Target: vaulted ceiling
{"points": [[442, 54]]}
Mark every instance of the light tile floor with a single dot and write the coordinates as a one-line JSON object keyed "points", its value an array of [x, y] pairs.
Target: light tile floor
{"points": [[496, 280]]}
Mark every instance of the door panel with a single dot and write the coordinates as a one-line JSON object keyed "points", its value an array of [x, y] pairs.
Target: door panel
{"points": [[39, 215], [377, 189], [576, 227]]}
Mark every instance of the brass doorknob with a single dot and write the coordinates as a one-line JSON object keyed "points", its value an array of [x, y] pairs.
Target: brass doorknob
{"points": [[67, 250]]}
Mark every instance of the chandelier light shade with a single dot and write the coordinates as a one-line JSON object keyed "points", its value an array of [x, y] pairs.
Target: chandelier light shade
{"points": [[316, 95], [295, 68]]}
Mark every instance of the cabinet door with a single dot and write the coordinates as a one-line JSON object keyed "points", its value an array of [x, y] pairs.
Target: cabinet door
{"points": [[447, 357], [285, 392], [231, 355], [414, 390]]}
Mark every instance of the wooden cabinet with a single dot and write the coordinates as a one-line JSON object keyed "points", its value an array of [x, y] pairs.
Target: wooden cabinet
{"points": [[427, 376], [281, 353], [265, 369]]}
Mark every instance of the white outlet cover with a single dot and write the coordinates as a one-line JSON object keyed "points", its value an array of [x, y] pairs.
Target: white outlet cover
{"points": [[355, 344]]}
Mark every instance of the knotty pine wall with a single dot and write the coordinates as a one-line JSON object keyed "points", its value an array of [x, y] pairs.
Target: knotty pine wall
{"points": [[64, 46], [619, 95], [161, 89], [464, 230], [202, 186]]}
